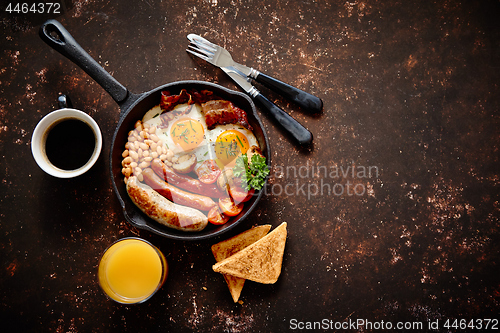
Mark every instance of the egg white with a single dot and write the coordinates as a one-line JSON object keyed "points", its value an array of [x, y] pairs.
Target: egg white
{"points": [[152, 118], [205, 149]]}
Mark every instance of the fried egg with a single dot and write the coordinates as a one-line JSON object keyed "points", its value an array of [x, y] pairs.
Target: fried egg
{"points": [[185, 133], [188, 133], [229, 141]]}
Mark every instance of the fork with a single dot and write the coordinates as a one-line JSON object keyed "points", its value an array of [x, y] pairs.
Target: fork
{"points": [[219, 56]]}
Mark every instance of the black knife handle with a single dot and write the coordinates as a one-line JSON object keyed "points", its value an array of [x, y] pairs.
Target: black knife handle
{"points": [[299, 97], [292, 126]]}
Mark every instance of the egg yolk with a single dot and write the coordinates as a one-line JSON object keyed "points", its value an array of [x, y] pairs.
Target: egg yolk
{"points": [[187, 133], [229, 145]]}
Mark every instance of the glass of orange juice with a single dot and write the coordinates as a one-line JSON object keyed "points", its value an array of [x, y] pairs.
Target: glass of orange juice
{"points": [[131, 270]]}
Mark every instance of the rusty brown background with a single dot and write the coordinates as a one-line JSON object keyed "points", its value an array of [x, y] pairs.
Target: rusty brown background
{"points": [[410, 89]]}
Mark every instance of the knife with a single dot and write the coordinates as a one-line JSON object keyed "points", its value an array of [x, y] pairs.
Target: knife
{"points": [[220, 57], [292, 126]]}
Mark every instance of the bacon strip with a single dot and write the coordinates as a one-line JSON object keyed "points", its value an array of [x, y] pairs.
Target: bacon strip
{"points": [[221, 112], [168, 101], [217, 111]]}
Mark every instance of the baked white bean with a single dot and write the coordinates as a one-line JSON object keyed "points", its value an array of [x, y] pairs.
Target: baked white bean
{"points": [[133, 154], [142, 147]]}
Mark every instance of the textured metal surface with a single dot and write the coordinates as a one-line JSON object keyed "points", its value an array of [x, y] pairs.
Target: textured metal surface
{"points": [[410, 91]]}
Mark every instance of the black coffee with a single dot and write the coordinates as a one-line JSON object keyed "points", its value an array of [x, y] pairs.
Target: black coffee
{"points": [[70, 144]]}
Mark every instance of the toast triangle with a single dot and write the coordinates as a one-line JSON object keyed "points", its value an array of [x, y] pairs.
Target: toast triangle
{"points": [[261, 261], [230, 246]]}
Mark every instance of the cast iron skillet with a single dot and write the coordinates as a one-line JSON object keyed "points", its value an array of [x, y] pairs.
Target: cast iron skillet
{"points": [[133, 107]]}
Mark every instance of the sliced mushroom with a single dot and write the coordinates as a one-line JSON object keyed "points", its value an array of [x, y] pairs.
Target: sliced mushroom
{"points": [[184, 163], [252, 151], [225, 179]]}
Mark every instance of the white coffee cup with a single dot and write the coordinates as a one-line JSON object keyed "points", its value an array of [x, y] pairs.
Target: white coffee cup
{"points": [[42, 130]]}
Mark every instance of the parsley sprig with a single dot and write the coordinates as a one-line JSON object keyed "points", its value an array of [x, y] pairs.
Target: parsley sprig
{"points": [[253, 174]]}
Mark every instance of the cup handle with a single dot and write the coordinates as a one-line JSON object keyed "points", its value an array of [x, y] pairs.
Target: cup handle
{"points": [[64, 102]]}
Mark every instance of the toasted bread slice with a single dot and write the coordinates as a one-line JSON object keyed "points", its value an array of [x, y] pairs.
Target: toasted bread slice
{"points": [[228, 247], [260, 261]]}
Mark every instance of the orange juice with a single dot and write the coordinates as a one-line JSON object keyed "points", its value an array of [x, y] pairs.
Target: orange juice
{"points": [[132, 270]]}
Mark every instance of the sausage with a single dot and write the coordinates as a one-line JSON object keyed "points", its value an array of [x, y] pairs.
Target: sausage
{"points": [[176, 195], [184, 181], [163, 210]]}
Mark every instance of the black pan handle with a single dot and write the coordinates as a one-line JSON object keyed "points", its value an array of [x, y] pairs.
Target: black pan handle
{"points": [[55, 35], [303, 99]]}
